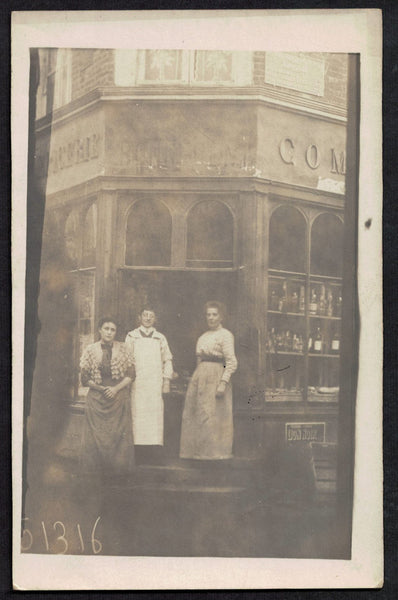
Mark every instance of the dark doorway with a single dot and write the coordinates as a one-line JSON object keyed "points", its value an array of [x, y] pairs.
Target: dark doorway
{"points": [[179, 298]]}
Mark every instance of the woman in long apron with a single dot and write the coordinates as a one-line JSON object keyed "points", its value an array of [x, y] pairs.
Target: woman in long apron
{"points": [[154, 369], [207, 420]]}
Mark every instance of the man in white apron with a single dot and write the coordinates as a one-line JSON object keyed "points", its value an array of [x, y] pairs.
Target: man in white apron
{"points": [[154, 369]]}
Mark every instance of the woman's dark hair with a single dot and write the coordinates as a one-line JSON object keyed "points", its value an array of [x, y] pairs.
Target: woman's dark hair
{"points": [[149, 308], [107, 320], [220, 306]]}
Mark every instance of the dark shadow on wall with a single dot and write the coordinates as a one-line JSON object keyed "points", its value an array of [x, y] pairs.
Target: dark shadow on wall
{"points": [[48, 326]]}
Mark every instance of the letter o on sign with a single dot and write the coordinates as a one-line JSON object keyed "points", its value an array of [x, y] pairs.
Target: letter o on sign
{"points": [[286, 150], [313, 156]]}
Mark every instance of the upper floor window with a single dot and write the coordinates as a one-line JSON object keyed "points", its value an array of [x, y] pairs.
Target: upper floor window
{"points": [[162, 65], [192, 67], [55, 79], [287, 240], [327, 246], [213, 66], [210, 235], [148, 234]]}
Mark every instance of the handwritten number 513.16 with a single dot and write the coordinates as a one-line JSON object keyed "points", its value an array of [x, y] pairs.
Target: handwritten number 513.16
{"points": [[61, 543]]}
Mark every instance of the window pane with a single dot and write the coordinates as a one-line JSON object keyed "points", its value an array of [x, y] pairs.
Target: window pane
{"points": [[287, 240], [148, 236], [163, 65], [50, 92], [210, 235], [90, 237], [213, 65], [327, 246]]}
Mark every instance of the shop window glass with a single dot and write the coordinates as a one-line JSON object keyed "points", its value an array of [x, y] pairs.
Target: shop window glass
{"points": [[327, 246], [148, 235], [210, 235], [287, 247], [90, 237]]}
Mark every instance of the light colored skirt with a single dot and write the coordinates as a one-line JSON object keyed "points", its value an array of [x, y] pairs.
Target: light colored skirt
{"points": [[207, 422]]}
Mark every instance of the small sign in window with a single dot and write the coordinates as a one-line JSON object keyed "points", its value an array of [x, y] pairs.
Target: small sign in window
{"points": [[305, 432]]}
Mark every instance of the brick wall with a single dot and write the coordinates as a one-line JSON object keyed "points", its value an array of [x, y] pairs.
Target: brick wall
{"points": [[91, 68], [335, 78]]}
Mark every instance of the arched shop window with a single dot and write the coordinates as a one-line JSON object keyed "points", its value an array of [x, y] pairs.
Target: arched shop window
{"points": [[327, 246], [71, 239], [287, 240], [210, 235], [148, 234], [89, 239]]}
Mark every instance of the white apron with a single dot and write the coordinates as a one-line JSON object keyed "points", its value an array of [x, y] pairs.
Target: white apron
{"points": [[146, 394]]}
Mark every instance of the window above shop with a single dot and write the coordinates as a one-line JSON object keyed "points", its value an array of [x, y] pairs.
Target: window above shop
{"points": [[189, 67], [55, 79]]}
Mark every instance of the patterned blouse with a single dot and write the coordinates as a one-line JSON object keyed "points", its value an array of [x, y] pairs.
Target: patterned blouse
{"points": [[219, 343], [98, 361]]}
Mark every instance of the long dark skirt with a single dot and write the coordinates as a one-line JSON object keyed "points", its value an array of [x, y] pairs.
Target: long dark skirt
{"points": [[107, 444]]}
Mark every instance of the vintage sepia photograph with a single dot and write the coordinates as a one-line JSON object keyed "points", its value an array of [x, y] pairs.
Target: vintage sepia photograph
{"points": [[191, 323]]}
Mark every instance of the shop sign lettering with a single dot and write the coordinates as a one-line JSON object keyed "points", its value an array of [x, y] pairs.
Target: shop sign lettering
{"points": [[312, 156], [74, 152], [305, 432]]}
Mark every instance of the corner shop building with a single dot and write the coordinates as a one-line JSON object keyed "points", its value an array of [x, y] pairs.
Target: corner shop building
{"points": [[224, 190]]}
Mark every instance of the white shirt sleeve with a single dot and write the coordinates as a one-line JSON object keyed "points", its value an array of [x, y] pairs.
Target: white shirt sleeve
{"points": [[231, 364], [167, 358]]}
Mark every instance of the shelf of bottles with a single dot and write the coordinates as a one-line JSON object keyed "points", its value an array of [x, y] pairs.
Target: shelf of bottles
{"points": [[303, 306], [286, 338], [303, 322], [324, 333]]}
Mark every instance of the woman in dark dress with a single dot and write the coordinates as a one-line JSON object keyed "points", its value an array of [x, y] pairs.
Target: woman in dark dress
{"points": [[107, 369]]}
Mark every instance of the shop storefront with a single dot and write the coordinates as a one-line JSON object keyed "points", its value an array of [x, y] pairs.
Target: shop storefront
{"points": [[179, 200]]}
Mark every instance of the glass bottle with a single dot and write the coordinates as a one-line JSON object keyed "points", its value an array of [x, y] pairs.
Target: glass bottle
{"points": [[288, 341], [295, 302], [339, 303], [322, 302], [283, 298], [274, 301], [318, 340], [300, 344], [329, 304], [335, 346], [302, 299], [313, 307], [310, 342]]}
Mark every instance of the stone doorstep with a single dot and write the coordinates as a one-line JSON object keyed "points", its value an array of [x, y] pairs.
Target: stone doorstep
{"points": [[181, 489]]}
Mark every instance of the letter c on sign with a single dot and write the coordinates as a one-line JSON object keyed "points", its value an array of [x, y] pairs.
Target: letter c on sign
{"points": [[286, 150], [313, 156]]}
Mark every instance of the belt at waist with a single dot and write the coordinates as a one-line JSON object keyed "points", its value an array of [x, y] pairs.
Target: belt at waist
{"points": [[216, 359]]}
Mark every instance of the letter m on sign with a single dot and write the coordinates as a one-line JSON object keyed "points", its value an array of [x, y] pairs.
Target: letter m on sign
{"points": [[338, 163]]}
